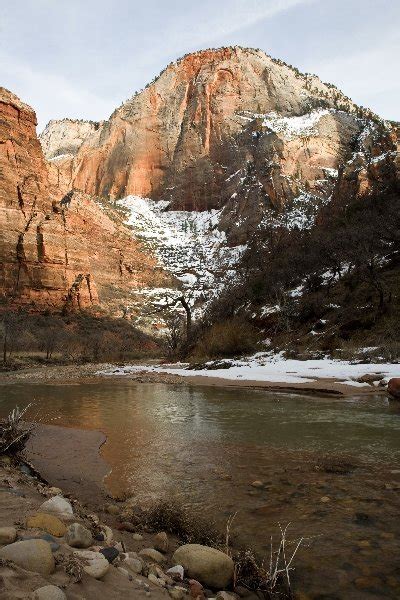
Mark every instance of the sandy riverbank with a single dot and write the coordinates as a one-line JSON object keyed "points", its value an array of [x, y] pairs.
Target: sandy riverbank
{"points": [[69, 459], [70, 374], [21, 496]]}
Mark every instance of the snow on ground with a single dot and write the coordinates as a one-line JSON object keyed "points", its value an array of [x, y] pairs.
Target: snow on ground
{"points": [[269, 367], [188, 244], [300, 213]]}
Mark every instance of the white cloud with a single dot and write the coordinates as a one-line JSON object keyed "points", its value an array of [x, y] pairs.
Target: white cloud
{"points": [[367, 76], [234, 16], [50, 94]]}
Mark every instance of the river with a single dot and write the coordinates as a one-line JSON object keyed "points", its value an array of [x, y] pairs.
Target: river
{"points": [[329, 466]]}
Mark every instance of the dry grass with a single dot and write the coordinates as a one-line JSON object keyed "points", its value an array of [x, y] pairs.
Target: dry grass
{"points": [[270, 576], [170, 516], [13, 432], [226, 339]]}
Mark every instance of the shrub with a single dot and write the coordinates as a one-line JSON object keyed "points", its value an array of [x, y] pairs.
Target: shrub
{"points": [[228, 338], [13, 433], [170, 516]]}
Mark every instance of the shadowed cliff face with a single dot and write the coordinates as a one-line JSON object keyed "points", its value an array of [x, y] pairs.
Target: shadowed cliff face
{"points": [[57, 255]]}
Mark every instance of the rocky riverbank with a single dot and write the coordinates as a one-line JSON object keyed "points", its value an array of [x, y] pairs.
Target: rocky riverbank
{"points": [[53, 547], [78, 372]]}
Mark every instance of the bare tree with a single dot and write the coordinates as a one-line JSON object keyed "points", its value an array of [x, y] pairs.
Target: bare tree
{"points": [[175, 334], [11, 330]]}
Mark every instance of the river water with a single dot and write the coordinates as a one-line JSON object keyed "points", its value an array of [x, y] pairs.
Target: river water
{"points": [[330, 467]]}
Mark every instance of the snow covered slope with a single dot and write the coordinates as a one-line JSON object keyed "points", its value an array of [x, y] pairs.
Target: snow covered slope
{"points": [[187, 244], [270, 367]]}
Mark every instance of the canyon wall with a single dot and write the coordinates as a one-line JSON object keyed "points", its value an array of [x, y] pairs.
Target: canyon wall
{"points": [[58, 253], [230, 128], [176, 139]]}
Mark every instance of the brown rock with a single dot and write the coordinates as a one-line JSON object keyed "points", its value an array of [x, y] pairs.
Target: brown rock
{"points": [[370, 378], [394, 387], [48, 523], [196, 590], [208, 565], [161, 542], [151, 554], [58, 255], [32, 555], [8, 535]]}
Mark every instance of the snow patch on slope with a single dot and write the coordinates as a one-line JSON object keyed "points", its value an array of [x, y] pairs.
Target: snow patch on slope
{"points": [[289, 127], [187, 244], [300, 213], [292, 127]]}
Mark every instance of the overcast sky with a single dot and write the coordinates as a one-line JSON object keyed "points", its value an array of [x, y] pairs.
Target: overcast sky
{"points": [[82, 58]]}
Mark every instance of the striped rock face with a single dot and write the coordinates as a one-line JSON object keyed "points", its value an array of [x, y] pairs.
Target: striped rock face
{"points": [[56, 255], [229, 128], [230, 134]]}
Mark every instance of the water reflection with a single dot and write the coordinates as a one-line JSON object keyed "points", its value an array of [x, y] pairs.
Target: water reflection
{"points": [[206, 445]]}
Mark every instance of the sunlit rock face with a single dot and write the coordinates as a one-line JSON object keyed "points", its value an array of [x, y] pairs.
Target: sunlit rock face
{"points": [[231, 134], [228, 128], [176, 138], [56, 254], [64, 137]]}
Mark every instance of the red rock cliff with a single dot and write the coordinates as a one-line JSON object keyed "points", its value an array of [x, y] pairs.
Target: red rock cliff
{"points": [[176, 138], [57, 255]]}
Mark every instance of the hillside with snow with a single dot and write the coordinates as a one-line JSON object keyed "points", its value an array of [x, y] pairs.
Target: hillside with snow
{"points": [[188, 245]]}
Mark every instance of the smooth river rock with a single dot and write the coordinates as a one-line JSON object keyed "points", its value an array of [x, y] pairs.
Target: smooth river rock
{"points": [[58, 506], [96, 565], [49, 592], [151, 554], [78, 536], [161, 542], [8, 535], [32, 555], [211, 567], [54, 543], [47, 522], [134, 565]]}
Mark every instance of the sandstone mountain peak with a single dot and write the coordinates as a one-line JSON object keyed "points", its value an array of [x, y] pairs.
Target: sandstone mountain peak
{"points": [[176, 139], [65, 136], [231, 134]]}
